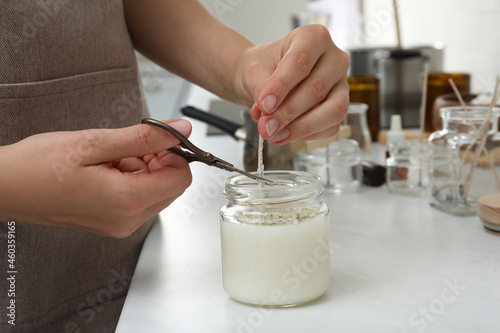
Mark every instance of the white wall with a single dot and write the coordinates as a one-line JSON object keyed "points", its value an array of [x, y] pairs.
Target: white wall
{"points": [[258, 20], [470, 30], [344, 20]]}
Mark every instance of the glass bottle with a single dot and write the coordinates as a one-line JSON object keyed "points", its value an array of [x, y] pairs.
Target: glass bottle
{"points": [[356, 119], [438, 84], [275, 239], [456, 181], [365, 89]]}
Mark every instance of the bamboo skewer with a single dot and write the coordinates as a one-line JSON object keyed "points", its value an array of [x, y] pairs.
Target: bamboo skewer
{"points": [[396, 19], [457, 93], [423, 102], [469, 147], [483, 133]]}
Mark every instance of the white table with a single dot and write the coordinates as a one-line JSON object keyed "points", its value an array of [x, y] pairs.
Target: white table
{"points": [[398, 265]]}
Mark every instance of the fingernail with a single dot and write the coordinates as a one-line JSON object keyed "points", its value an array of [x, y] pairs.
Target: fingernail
{"points": [[271, 126], [181, 125], [268, 103], [281, 135]]}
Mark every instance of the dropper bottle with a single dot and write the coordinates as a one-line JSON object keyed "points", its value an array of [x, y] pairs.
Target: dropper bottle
{"points": [[395, 134]]}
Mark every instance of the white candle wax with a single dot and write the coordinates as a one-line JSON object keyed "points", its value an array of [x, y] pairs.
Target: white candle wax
{"points": [[276, 265]]}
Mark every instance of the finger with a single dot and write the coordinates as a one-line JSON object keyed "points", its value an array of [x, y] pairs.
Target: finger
{"points": [[161, 160], [135, 192], [328, 133], [296, 64], [310, 92], [131, 164], [148, 158], [104, 145], [328, 114], [167, 180]]}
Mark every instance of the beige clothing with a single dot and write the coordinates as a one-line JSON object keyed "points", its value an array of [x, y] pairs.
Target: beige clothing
{"points": [[66, 65]]}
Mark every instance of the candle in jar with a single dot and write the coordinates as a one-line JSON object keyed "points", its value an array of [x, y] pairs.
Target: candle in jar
{"points": [[276, 255]]}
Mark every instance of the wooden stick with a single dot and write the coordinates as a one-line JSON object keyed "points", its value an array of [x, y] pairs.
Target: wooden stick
{"points": [[469, 147], [483, 132], [457, 93], [423, 102], [396, 19]]}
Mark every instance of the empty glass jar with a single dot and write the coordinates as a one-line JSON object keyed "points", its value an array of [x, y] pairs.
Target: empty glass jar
{"points": [[460, 172], [338, 164], [408, 168]]}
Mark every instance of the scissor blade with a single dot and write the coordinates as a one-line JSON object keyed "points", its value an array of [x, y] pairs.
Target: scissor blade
{"points": [[249, 175], [193, 153]]}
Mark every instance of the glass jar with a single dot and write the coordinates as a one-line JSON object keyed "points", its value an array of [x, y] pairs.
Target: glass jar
{"points": [[456, 181], [275, 240], [445, 100], [408, 168], [339, 165]]}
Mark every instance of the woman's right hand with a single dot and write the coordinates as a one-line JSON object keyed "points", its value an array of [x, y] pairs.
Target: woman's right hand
{"points": [[106, 181]]}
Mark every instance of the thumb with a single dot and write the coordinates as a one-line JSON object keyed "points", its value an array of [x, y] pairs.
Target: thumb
{"points": [[105, 145]]}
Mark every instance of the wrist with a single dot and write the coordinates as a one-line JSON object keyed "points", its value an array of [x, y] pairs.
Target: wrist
{"points": [[244, 69], [234, 67], [7, 182]]}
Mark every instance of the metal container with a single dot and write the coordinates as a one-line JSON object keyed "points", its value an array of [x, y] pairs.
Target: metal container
{"points": [[400, 73]]}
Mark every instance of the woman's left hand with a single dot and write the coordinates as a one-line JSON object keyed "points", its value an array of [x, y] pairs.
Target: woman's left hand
{"points": [[295, 86]]}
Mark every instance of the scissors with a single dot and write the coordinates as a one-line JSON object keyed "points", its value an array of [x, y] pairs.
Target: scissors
{"points": [[194, 154]]}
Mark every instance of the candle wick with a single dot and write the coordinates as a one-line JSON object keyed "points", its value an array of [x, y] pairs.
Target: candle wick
{"points": [[260, 163]]}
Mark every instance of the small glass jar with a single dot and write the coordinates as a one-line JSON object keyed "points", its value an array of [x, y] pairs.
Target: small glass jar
{"points": [[446, 100], [408, 168], [275, 240], [339, 165], [456, 181]]}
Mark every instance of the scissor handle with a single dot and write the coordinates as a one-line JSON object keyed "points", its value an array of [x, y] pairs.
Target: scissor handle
{"points": [[184, 142], [192, 153], [195, 154]]}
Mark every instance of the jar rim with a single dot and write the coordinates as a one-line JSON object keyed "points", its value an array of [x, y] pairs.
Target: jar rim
{"points": [[340, 148], [472, 112], [291, 186]]}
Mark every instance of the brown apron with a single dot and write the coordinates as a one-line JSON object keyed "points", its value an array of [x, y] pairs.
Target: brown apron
{"points": [[65, 65]]}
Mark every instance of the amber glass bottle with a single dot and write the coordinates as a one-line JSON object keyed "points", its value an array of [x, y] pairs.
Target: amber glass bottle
{"points": [[438, 84], [365, 89]]}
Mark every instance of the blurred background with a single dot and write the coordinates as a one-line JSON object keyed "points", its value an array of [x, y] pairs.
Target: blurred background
{"points": [[464, 33]]}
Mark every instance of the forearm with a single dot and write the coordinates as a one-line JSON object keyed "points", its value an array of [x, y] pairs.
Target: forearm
{"points": [[6, 183], [17, 195], [183, 37]]}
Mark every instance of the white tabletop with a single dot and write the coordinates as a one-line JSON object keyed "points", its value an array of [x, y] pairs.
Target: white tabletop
{"points": [[398, 265]]}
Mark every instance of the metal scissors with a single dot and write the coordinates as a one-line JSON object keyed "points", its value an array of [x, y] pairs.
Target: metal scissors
{"points": [[194, 154]]}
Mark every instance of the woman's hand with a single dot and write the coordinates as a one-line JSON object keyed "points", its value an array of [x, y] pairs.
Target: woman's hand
{"points": [[107, 181], [296, 86]]}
